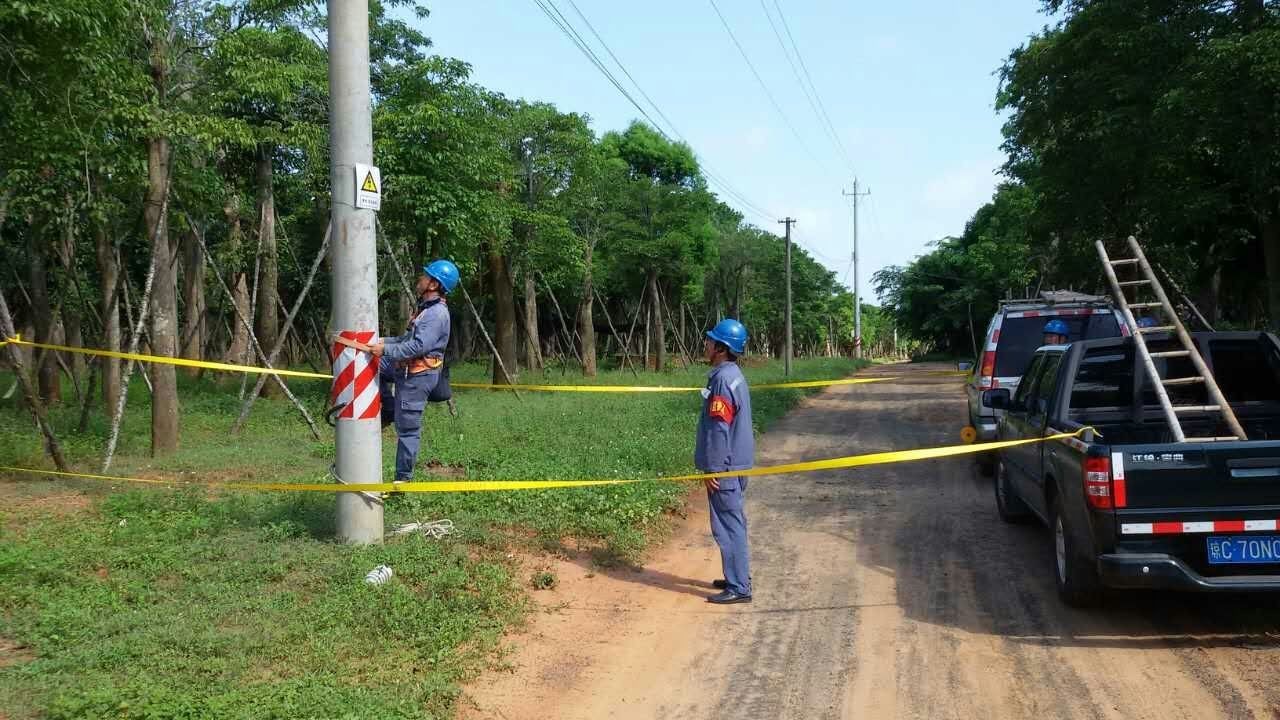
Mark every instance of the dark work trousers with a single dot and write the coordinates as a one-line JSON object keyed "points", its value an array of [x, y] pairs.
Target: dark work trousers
{"points": [[729, 528], [404, 397]]}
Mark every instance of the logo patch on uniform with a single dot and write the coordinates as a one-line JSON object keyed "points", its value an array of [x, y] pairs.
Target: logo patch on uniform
{"points": [[720, 408]]}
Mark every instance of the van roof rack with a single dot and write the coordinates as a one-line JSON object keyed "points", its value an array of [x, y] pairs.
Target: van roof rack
{"points": [[1061, 297]]}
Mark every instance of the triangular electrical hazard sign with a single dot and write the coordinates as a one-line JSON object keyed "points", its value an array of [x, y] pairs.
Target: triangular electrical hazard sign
{"points": [[369, 185]]}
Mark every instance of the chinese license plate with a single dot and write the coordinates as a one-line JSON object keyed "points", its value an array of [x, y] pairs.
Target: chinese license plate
{"points": [[1244, 549]]}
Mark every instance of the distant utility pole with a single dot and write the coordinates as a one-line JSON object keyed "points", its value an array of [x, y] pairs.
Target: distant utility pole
{"points": [[857, 299], [786, 351], [358, 441]]}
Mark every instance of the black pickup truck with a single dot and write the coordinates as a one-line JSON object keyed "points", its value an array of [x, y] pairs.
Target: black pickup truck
{"points": [[1127, 506]]}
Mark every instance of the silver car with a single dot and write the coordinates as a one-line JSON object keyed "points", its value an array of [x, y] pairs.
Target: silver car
{"points": [[1016, 331]]}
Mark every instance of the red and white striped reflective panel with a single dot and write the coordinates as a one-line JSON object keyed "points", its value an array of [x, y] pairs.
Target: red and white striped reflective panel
{"points": [[1119, 487], [355, 379], [1210, 526]]}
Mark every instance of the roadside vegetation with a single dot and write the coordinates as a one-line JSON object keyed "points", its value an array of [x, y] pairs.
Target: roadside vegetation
{"points": [[131, 601]]}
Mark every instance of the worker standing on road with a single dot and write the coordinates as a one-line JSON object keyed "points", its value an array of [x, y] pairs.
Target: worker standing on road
{"points": [[410, 365], [724, 444], [1056, 332]]}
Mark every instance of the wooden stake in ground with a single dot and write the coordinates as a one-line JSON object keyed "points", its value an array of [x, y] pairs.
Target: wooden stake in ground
{"points": [[134, 339], [626, 352], [128, 317], [568, 336], [253, 306], [493, 348], [253, 340], [630, 333], [51, 445], [395, 263], [42, 357], [695, 331], [87, 407], [684, 354], [281, 337]]}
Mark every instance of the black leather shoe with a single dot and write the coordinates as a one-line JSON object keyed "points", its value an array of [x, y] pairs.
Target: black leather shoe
{"points": [[728, 597], [720, 584]]}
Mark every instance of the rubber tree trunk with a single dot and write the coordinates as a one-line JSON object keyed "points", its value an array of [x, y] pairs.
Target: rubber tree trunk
{"points": [[109, 297], [684, 333], [194, 327], [504, 313], [406, 309], [465, 339], [32, 396], [238, 348], [532, 342], [267, 324], [72, 310], [48, 380], [164, 301], [586, 323], [659, 330]]}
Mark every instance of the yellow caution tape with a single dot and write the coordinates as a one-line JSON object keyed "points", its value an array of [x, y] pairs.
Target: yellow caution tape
{"points": [[232, 367], [820, 383], [576, 388], [661, 388], [849, 461], [162, 360]]}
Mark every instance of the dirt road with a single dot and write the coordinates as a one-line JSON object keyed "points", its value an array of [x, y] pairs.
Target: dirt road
{"points": [[891, 592]]}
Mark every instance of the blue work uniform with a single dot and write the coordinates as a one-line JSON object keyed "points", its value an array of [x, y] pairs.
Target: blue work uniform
{"points": [[408, 373], [725, 443]]}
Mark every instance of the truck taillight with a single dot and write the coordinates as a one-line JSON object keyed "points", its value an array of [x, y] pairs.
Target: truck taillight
{"points": [[986, 375], [1097, 482]]}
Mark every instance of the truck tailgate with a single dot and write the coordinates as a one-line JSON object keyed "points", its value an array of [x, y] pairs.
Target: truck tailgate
{"points": [[1197, 475], [1196, 490]]}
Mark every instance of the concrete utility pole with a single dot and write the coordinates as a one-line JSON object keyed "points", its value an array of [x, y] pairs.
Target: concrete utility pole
{"points": [[857, 299], [355, 264], [786, 350]]}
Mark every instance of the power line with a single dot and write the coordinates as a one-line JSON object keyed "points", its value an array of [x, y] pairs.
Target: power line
{"points": [[809, 94], [796, 47], [706, 166], [814, 251], [750, 65], [562, 22], [605, 45]]}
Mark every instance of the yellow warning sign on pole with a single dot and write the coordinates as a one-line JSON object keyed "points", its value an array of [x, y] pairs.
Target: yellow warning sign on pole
{"points": [[368, 187]]}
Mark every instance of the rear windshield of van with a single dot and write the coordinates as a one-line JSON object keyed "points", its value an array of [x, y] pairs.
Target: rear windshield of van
{"points": [[1019, 337]]}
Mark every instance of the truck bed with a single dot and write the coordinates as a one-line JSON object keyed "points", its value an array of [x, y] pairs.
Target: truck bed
{"points": [[1261, 421]]}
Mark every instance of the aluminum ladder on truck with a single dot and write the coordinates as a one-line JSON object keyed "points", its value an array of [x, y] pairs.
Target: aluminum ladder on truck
{"points": [[1189, 350]]}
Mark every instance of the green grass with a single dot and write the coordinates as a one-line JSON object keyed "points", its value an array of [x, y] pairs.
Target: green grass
{"points": [[152, 602]]}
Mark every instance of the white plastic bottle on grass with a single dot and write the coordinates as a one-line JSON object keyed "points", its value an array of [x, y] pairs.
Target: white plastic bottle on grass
{"points": [[379, 575]]}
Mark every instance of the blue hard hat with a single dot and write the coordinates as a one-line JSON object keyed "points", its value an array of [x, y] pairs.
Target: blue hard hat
{"points": [[730, 332], [1056, 327], [1146, 322], [445, 272]]}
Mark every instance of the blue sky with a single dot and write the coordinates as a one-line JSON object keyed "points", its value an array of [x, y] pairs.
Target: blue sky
{"points": [[909, 88]]}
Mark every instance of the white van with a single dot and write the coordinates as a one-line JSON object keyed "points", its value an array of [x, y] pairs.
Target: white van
{"points": [[1015, 333]]}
